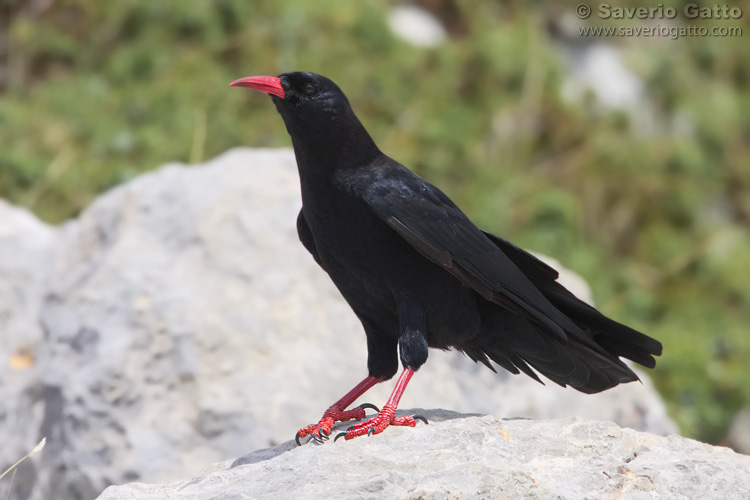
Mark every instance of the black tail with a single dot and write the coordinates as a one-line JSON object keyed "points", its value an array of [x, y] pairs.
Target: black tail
{"points": [[589, 363]]}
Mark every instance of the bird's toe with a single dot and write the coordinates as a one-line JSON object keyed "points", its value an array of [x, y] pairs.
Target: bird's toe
{"points": [[420, 417], [371, 406]]}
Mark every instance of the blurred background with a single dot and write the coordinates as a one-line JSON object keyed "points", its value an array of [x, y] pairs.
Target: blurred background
{"points": [[627, 158]]}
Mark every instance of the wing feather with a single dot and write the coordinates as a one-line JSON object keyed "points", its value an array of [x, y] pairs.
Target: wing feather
{"points": [[429, 221]]}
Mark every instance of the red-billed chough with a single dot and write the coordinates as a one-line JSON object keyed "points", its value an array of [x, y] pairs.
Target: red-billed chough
{"points": [[418, 273]]}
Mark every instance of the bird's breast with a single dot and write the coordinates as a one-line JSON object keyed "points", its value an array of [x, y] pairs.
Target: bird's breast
{"points": [[353, 241], [371, 265]]}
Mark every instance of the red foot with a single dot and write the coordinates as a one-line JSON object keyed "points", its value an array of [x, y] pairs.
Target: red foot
{"points": [[373, 425], [378, 423], [322, 429]]}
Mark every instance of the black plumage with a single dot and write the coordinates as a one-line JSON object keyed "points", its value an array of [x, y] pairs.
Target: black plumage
{"points": [[418, 273]]}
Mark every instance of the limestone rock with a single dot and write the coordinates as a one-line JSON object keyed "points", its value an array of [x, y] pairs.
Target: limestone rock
{"points": [[738, 436], [479, 457], [416, 26], [184, 324], [26, 250]]}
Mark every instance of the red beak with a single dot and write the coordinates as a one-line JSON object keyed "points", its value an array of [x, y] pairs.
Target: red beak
{"points": [[266, 84]]}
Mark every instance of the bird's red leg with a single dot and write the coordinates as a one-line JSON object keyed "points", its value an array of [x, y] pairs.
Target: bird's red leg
{"points": [[337, 413], [386, 416]]}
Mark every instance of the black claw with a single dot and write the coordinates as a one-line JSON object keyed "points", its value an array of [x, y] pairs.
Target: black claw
{"points": [[322, 435], [296, 438], [350, 428], [370, 406], [371, 431], [340, 434], [315, 438], [420, 417]]}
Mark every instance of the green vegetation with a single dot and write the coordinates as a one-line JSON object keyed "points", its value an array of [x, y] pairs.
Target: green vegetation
{"points": [[93, 93]]}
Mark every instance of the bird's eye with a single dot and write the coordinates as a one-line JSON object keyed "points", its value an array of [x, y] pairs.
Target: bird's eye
{"points": [[309, 89]]}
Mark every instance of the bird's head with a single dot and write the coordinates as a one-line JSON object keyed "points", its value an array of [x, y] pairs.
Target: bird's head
{"points": [[306, 101], [317, 115]]}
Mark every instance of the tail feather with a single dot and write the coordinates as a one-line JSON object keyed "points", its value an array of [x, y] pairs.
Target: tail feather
{"points": [[510, 339], [520, 363], [588, 361], [616, 338]]}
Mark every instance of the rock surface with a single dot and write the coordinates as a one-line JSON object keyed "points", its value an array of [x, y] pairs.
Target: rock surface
{"points": [[416, 26], [479, 457], [738, 436], [26, 251], [178, 322]]}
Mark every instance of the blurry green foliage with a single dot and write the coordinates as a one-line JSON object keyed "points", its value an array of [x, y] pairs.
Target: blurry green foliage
{"points": [[93, 93]]}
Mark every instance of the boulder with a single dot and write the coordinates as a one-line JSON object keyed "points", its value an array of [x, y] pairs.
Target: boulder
{"points": [[738, 436], [26, 250], [473, 457], [184, 324]]}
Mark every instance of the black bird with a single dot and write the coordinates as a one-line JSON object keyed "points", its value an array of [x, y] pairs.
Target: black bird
{"points": [[418, 273]]}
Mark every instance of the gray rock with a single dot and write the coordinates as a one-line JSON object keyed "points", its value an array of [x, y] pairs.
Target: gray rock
{"points": [[738, 436], [26, 246], [184, 324], [481, 457], [26, 249], [416, 26]]}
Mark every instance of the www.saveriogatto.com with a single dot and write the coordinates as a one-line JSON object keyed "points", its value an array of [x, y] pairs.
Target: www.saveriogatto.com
{"points": [[691, 20]]}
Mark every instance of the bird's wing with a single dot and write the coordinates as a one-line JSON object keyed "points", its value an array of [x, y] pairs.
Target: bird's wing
{"points": [[429, 221], [618, 339], [531, 266]]}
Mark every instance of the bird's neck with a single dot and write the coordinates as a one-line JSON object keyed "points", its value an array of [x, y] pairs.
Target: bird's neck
{"points": [[323, 152]]}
